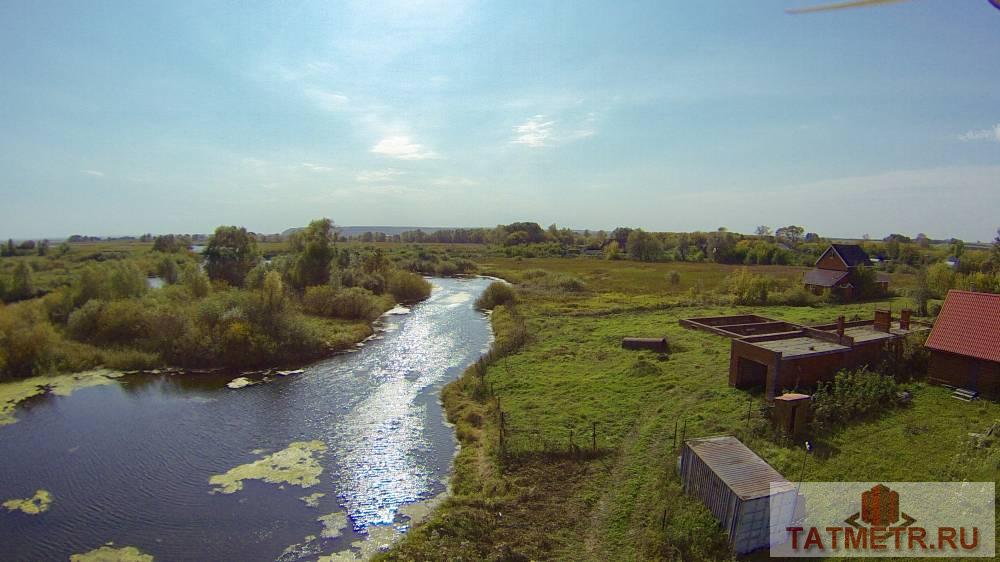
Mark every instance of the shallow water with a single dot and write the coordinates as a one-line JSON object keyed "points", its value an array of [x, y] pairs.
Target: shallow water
{"points": [[130, 462]]}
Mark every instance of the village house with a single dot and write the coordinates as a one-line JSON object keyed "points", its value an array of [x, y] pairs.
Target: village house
{"points": [[965, 343], [839, 271]]}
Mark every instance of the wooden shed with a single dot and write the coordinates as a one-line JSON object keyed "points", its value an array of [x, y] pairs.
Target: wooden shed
{"points": [[739, 488], [965, 343]]}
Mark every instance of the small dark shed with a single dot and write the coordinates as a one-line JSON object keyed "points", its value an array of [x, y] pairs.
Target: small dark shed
{"points": [[738, 487], [655, 344]]}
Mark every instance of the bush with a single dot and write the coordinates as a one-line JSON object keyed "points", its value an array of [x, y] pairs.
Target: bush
{"points": [[27, 340], [850, 395], [794, 296], [745, 288], [498, 293], [566, 283], [674, 277], [446, 268], [408, 287], [319, 300], [355, 303], [114, 323]]}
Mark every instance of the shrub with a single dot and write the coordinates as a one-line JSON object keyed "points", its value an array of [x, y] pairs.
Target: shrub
{"points": [[115, 323], [674, 277], [566, 283], [196, 281], [498, 293], [531, 274], [408, 287], [850, 395], [794, 296], [27, 340], [745, 288], [319, 300], [167, 270], [446, 268], [355, 303]]}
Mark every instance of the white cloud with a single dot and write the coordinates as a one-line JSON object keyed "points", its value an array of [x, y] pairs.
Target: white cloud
{"points": [[454, 181], [95, 173], [534, 132], [327, 100], [400, 146], [992, 134], [374, 176], [315, 167], [539, 131]]}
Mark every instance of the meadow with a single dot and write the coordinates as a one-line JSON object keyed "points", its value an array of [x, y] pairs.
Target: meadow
{"points": [[585, 467]]}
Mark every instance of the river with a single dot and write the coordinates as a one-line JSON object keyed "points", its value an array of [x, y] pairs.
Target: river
{"points": [[310, 463]]}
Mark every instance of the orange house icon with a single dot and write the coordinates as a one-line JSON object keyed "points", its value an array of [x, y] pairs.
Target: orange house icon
{"points": [[880, 506]]}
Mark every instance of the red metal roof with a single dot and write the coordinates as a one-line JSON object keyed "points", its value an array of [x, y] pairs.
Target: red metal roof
{"points": [[969, 324]]}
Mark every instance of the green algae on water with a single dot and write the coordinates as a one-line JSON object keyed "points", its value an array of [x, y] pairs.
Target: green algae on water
{"points": [[108, 553], [39, 503], [297, 465], [312, 500], [14, 392], [333, 524]]}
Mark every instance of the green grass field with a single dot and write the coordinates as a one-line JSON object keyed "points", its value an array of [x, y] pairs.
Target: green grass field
{"points": [[626, 504]]}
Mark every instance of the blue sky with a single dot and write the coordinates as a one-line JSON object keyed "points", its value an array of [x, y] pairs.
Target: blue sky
{"points": [[128, 117]]}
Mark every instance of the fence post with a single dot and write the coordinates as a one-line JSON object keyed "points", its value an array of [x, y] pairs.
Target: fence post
{"points": [[749, 409], [675, 435], [593, 437], [684, 430], [503, 450]]}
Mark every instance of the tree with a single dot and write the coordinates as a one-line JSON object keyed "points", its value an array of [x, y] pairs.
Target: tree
{"points": [[923, 241], [763, 231], [643, 246], [272, 295], [957, 248], [315, 247], [167, 244], [43, 247], [23, 285], [231, 252], [612, 250], [620, 235], [791, 235], [921, 292], [196, 281], [10, 248], [167, 270], [995, 252]]}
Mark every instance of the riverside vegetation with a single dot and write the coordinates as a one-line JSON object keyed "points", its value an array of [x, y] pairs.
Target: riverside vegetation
{"points": [[91, 306]]}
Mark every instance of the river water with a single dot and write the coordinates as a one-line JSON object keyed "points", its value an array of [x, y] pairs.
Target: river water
{"points": [[130, 462]]}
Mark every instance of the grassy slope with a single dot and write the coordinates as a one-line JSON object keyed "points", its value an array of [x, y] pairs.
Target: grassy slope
{"points": [[627, 504]]}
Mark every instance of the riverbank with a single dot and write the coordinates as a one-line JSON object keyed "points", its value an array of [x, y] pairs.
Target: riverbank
{"points": [[335, 460], [580, 465]]}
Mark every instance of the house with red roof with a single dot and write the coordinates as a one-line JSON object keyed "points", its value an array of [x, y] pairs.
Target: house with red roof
{"points": [[965, 343]]}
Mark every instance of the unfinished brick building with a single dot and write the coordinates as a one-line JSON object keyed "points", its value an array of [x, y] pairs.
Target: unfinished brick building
{"points": [[777, 355]]}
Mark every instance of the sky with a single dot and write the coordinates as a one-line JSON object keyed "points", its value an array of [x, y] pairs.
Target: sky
{"points": [[130, 117]]}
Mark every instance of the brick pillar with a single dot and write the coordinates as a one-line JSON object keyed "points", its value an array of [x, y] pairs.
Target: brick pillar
{"points": [[904, 319]]}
